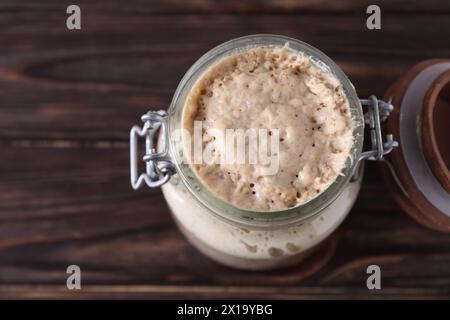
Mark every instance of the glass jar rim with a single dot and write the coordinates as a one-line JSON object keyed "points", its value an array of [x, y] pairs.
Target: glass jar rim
{"points": [[218, 206]]}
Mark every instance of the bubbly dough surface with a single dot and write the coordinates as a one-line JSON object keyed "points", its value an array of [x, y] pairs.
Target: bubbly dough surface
{"points": [[272, 88]]}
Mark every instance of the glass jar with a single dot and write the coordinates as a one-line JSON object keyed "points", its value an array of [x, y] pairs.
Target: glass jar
{"points": [[243, 238]]}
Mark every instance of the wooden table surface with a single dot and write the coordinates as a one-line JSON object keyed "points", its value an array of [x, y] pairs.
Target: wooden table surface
{"points": [[69, 98]]}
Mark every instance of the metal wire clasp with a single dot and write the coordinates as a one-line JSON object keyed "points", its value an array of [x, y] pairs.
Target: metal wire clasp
{"points": [[377, 112], [159, 167]]}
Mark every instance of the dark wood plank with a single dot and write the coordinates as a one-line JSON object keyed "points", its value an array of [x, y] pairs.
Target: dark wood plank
{"points": [[211, 292], [94, 84], [64, 204], [68, 100], [230, 6]]}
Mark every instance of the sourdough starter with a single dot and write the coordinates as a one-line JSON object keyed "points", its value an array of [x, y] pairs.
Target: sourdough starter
{"points": [[272, 88]]}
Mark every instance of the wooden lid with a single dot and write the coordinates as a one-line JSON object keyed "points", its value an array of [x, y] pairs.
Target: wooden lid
{"points": [[435, 128], [427, 199]]}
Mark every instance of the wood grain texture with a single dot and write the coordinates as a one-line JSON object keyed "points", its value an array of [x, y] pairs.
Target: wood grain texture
{"points": [[155, 7], [96, 82], [68, 100], [68, 208]]}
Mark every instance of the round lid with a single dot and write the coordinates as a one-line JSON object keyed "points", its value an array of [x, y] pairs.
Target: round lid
{"points": [[420, 122], [435, 129]]}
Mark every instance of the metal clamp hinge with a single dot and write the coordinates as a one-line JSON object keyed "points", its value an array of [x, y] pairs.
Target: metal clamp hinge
{"points": [[378, 111], [159, 167]]}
